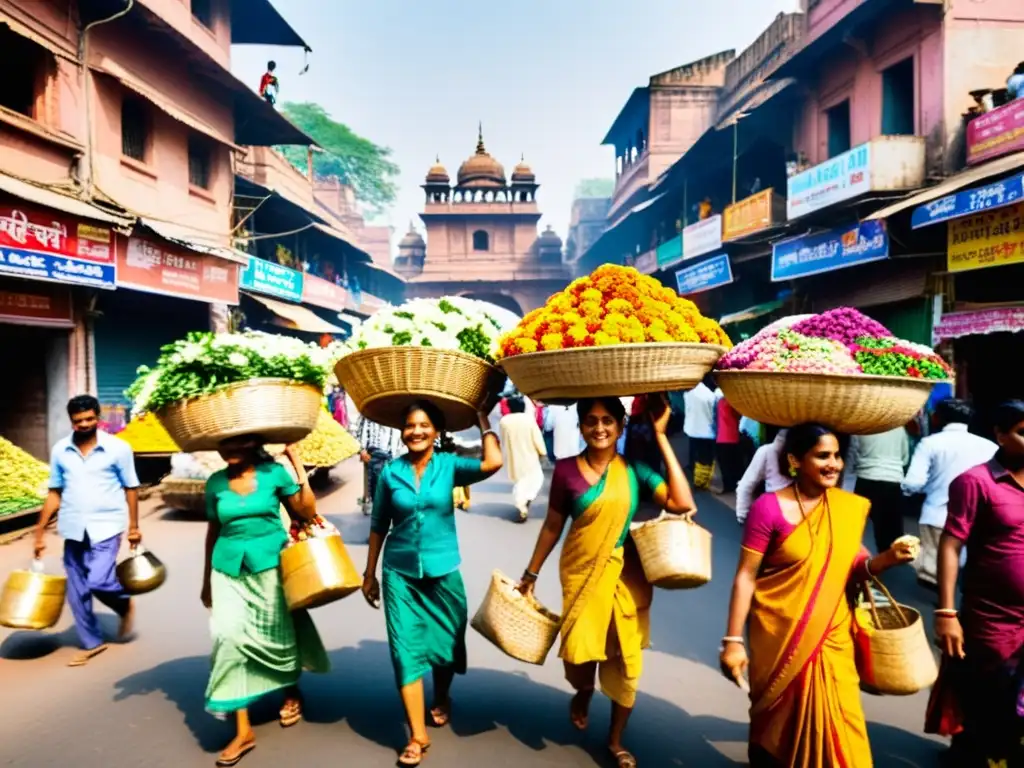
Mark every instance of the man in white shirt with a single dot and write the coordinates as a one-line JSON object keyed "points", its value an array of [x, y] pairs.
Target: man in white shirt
{"points": [[699, 427], [878, 462], [939, 459], [565, 424], [764, 470]]}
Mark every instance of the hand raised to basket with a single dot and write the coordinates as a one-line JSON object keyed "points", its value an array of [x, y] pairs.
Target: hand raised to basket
{"points": [[659, 411]]}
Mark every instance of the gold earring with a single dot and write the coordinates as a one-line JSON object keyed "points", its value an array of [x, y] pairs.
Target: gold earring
{"points": [[792, 471]]}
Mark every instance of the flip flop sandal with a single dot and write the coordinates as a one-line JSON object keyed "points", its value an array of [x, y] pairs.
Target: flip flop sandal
{"points": [[412, 756], [625, 760], [441, 716], [290, 714], [82, 658], [225, 762]]}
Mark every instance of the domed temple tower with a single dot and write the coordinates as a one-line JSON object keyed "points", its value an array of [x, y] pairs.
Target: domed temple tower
{"points": [[481, 239]]}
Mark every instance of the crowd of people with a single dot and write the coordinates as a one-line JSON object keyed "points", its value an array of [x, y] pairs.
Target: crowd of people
{"points": [[789, 627]]}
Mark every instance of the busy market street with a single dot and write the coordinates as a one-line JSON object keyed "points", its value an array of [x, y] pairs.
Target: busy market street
{"points": [[142, 703]]}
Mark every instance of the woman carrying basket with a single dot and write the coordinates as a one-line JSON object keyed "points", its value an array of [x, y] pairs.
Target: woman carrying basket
{"points": [[801, 554], [606, 599], [259, 646], [424, 597]]}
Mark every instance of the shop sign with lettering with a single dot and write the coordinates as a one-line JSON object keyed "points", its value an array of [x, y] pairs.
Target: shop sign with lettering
{"points": [[993, 239], [272, 279], [836, 249], [156, 267]]}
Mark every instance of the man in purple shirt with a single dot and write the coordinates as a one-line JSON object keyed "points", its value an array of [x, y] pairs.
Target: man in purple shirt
{"points": [[986, 514]]}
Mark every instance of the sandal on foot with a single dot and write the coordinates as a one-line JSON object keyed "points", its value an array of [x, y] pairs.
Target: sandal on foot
{"points": [[581, 701], [82, 658], [624, 759], [291, 713], [226, 761], [441, 714], [413, 753]]}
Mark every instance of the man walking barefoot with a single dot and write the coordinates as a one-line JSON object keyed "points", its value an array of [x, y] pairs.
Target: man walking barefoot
{"points": [[94, 485]]}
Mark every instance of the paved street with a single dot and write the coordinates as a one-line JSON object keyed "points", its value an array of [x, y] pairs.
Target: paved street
{"points": [[142, 703]]}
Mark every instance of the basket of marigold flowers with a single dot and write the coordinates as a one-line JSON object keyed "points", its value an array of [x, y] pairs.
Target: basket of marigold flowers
{"points": [[616, 332]]}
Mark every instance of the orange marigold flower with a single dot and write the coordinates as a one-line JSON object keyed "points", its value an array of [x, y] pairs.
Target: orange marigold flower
{"points": [[602, 339], [591, 294], [591, 310], [578, 333], [550, 341], [525, 346], [620, 306]]}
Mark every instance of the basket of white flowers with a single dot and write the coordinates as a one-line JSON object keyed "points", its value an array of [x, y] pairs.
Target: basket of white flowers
{"points": [[441, 350], [210, 387]]}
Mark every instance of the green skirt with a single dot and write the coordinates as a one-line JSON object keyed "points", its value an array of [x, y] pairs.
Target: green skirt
{"points": [[258, 645], [426, 621]]}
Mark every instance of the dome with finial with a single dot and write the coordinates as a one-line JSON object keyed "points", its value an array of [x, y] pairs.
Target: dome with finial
{"points": [[523, 173], [549, 239], [438, 174], [481, 171], [412, 239]]}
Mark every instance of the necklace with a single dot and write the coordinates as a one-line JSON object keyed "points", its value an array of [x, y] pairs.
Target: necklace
{"points": [[600, 472]]}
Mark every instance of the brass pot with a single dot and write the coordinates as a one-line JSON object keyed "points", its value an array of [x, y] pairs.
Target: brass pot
{"points": [[32, 600], [141, 572], [315, 572]]}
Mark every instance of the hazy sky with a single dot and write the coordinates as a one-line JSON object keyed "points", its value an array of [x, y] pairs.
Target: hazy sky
{"points": [[546, 77]]}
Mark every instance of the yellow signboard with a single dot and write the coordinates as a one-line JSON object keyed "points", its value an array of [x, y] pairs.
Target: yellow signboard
{"points": [[992, 239], [747, 216]]}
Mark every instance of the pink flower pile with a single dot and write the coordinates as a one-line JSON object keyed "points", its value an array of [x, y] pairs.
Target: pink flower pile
{"points": [[840, 341]]}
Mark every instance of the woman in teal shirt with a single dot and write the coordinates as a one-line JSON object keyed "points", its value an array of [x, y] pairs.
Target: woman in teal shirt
{"points": [[424, 597], [258, 645]]}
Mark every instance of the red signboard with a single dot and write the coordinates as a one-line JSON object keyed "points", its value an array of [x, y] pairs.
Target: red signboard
{"points": [[996, 133], [322, 293], [146, 265], [45, 231], [25, 303]]}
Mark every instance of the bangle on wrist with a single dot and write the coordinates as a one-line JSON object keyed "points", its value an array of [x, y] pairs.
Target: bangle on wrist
{"points": [[948, 612], [530, 575], [733, 639]]}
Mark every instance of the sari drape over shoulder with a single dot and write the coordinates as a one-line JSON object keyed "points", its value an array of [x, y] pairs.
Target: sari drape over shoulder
{"points": [[606, 599], [805, 692]]}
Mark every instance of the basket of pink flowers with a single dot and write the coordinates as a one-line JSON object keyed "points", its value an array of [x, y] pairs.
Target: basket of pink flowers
{"points": [[839, 368]]}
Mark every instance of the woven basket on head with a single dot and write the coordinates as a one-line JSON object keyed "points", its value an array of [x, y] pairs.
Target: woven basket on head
{"points": [[892, 651], [620, 370], [518, 625], [384, 381], [674, 551], [278, 410], [855, 404], [186, 494]]}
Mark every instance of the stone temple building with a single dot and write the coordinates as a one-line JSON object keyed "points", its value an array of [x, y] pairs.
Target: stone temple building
{"points": [[481, 238]]}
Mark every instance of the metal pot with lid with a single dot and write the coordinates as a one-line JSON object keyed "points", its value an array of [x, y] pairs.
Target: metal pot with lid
{"points": [[141, 572]]}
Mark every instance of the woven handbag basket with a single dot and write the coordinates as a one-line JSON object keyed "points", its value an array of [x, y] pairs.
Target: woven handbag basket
{"points": [[384, 381], [853, 404], [520, 626], [894, 659], [186, 494], [620, 370], [278, 410], [674, 551]]}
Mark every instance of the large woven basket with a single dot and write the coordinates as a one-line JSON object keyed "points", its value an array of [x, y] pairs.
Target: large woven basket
{"points": [[674, 551], [620, 370], [279, 410], [384, 381], [186, 494], [315, 572], [518, 625], [892, 651], [853, 404]]}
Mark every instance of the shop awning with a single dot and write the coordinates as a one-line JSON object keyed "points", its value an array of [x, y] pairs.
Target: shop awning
{"points": [[954, 183], [764, 93], [382, 269], [112, 69], [61, 202], [979, 322], [751, 313], [61, 48], [257, 22], [192, 239], [332, 231], [295, 317]]}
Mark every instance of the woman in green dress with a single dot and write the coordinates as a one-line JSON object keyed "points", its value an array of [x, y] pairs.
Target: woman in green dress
{"points": [[259, 646], [424, 597]]}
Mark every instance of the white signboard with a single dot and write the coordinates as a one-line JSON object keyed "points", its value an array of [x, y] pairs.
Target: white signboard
{"points": [[844, 177], [703, 237], [647, 263]]}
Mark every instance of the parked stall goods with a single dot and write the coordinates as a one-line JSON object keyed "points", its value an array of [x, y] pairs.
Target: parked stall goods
{"points": [[23, 481], [615, 332]]}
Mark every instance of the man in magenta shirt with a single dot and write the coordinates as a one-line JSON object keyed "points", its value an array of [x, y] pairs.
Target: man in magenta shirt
{"points": [[728, 449], [986, 514]]}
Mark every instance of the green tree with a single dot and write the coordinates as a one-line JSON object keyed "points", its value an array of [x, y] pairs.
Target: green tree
{"points": [[357, 161], [595, 188]]}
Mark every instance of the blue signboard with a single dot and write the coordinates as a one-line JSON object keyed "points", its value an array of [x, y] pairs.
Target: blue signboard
{"points": [[836, 249], [971, 201], [262, 276], [58, 269], [709, 274]]}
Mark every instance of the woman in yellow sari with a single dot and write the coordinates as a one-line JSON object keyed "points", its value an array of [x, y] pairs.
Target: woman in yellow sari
{"points": [[801, 555], [606, 600]]}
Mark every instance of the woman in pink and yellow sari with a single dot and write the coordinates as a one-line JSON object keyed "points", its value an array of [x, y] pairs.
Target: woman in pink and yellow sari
{"points": [[606, 599], [801, 560]]}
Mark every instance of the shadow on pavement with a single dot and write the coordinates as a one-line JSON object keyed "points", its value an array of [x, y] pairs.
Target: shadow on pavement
{"points": [[360, 691], [26, 645]]}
